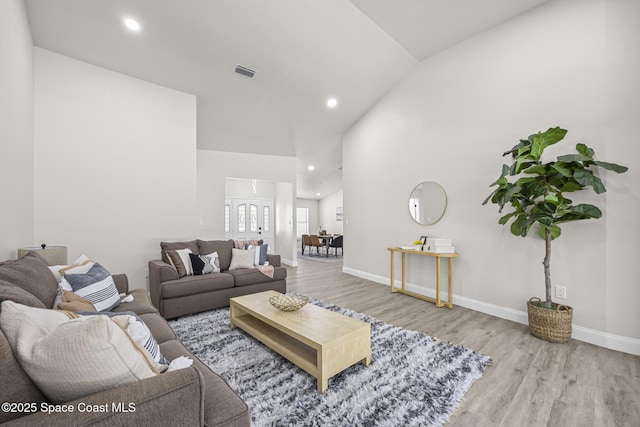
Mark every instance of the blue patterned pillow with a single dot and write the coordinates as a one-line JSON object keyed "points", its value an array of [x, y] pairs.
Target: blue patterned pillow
{"points": [[96, 286]]}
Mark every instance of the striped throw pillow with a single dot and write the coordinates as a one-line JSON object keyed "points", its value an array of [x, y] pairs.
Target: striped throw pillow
{"points": [[96, 286]]}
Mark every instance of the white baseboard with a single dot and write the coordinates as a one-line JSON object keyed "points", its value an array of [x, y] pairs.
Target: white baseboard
{"points": [[288, 262], [591, 336]]}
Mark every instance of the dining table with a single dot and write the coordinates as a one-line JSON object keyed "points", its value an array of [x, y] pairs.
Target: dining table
{"points": [[326, 240]]}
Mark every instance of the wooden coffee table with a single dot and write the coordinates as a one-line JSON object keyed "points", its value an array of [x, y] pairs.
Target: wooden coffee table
{"points": [[321, 342]]}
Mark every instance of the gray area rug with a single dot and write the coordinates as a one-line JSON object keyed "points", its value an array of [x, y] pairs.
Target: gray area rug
{"points": [[413, 379], [321, 258]]}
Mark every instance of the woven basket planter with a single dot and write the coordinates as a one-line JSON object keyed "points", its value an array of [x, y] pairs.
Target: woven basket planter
{"points": [[553, 325]]}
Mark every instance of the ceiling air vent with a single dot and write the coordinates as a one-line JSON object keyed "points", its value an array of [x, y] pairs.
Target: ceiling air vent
{"points": [[247, 72]]}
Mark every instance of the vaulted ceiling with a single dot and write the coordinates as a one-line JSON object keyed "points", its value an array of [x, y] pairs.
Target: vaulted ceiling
{"points": [[303, 51]]}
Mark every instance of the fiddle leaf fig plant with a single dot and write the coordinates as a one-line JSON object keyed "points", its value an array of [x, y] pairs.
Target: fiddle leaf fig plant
{"points": [[536, 192]]}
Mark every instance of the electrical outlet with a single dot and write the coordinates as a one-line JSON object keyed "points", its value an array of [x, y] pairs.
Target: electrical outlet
{"points": [[561, 292]]}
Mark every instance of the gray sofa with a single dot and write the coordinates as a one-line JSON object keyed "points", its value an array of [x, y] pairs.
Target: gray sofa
{"points": [[177, 296], [191, 396]]}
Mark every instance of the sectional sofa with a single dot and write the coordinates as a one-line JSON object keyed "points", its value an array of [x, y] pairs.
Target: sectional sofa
{"points": [[191, 396]]}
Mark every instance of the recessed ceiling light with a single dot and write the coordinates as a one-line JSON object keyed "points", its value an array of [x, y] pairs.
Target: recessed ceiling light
{"points": [[132, 24], [318, 194], [332, 102], [311, 167]]}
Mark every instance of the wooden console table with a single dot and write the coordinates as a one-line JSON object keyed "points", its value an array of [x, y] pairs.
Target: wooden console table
{"points": [[437, 256]]}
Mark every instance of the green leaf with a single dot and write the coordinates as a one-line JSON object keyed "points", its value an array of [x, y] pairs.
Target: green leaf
{"points": [[577, 213], [545, 139], [522, 163], [552, 198], [585, 151], [537, 169], [522, 143], [587, 210], [561, 167], [506, 218], [502, 181], [586, 177], [569, 158], [554, 231], [516, 226], [489, 197], [612, 166], [511, 192], [570, 186]]}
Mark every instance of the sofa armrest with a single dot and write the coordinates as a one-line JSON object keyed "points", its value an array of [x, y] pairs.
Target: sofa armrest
{"points": [[159, 271], [274, 260], [172, 398], [122, 283]]}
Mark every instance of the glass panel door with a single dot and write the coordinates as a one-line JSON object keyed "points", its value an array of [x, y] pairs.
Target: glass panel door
{"points": [[251, 219]]}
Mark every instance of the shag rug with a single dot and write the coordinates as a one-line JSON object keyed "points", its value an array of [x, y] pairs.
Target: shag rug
{"points": [[413, 379]]}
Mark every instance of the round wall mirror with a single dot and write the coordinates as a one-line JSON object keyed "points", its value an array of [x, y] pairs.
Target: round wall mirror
{"points": [[427, 203]]}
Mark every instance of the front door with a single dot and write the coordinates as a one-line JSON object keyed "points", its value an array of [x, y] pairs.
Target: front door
{"points": [[249, 219]]}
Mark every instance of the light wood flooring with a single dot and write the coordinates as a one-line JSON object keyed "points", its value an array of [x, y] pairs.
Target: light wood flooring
{"points": [[530, 382]]}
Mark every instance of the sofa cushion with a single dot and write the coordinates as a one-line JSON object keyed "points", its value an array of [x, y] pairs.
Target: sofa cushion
{"points": [[16, 384], [190, 285], [172, 246], [222, 405], [141, 303], [222, 247], [32, 274], [251, 276], [59, 353], [10, 292], [96, 286]]}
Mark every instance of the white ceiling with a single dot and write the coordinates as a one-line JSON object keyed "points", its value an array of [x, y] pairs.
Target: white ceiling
{"points": [[304, 51]]}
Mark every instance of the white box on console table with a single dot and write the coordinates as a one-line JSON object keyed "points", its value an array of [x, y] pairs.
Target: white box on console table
{"points": [[436, 241], [440, 249]]}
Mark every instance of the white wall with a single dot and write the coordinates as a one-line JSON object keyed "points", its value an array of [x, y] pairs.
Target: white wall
{"points": [[244, 188], [16, 129], [327, 213], [286, 223], [115, 164], [214, 167], [570, 63], [623, 232]]}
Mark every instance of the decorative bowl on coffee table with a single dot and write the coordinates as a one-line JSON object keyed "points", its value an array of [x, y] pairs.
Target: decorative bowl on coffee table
{"points": [[288, 302]]}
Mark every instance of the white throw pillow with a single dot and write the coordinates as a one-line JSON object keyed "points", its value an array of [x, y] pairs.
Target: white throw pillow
{"points": [[141, 335], [261, 253], [71, 358], [241, 258], [184, 256], [181, 261], [76, 268]]}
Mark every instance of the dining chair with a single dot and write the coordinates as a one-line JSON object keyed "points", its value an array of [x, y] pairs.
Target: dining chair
{"points": [[337, 243], [306, 241], [315, 242]]}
